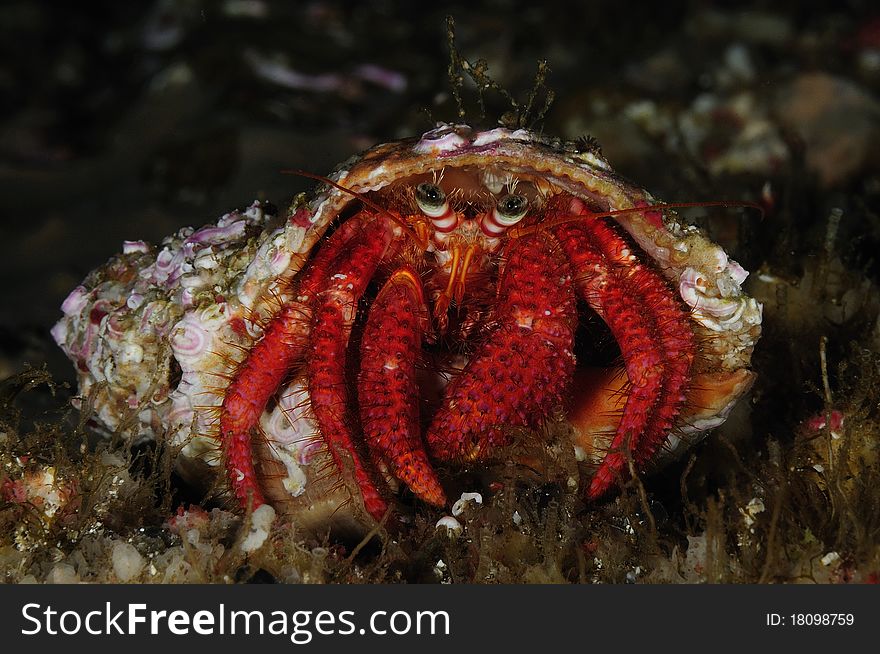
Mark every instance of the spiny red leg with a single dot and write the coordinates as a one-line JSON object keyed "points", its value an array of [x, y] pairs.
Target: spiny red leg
{"points": [[335, 309], [246, 397], [679, 348], [652, 330], [387, 389], [269, 361], [521, 372]]}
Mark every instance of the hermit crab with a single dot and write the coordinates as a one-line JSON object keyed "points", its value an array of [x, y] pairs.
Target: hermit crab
{"points": [[422, 308]]}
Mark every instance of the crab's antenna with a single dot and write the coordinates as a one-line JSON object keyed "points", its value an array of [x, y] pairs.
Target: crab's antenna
{"points": [[360, 196], [517, 232]]}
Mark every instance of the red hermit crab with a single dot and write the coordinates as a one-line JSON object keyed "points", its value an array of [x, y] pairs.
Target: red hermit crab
{"points": [[459, 264]]}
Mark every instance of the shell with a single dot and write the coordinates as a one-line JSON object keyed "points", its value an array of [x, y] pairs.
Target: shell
{"points": [[155, 332]]}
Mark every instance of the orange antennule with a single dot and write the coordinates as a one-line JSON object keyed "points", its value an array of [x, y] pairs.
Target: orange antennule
{"points": [[422, 243]]}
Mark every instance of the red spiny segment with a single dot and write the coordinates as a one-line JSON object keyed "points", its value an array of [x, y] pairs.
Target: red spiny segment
{"points": [[676, 348], [254, 384], [634, 330], [314, 277], [652, 329], [522, 371], [387, 389], [679, 349], [335, 308], [269, 361]]}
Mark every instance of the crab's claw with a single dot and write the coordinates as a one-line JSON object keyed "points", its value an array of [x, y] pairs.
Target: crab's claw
{"points": [[387, 385], [524, 367]]}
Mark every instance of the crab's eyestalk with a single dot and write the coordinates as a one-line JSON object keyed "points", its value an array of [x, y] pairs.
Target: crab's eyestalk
{"points": [[433, 203], [508, 211]]}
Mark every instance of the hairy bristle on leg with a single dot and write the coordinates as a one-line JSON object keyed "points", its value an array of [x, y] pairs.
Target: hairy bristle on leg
{"points": [[335, 309], [652, 329], [258, 377], [388, 394], [255, 382]]}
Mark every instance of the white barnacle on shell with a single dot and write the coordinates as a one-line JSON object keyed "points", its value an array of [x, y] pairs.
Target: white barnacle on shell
{"points": [[717, 306], [445, 138], [498, 134]]}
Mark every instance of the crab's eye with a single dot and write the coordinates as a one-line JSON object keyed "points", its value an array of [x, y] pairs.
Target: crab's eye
{"points": [[431, 200], [510, 209]]}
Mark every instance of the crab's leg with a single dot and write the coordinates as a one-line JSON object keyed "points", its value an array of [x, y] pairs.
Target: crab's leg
{"points": [[652, 330], [334, 313], [387, 390], [258, 377], [523, 369], [254, 383]]}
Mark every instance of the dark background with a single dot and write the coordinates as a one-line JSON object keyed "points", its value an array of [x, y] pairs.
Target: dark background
{"points": [[130, 120]]}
